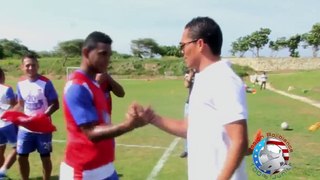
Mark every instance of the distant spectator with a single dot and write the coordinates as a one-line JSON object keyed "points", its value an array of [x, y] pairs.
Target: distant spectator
{"points": [[263, 80]]}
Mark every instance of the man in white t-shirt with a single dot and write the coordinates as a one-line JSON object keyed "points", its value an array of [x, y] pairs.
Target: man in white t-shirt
{"points": [[263, 79], [217, 123]]}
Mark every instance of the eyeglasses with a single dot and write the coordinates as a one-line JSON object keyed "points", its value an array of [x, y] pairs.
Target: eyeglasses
{"points": [[182, 45]]}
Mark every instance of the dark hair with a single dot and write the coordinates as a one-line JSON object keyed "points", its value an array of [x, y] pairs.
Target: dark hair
{"points": [[207, 29], [30, 56], [94, 38]]}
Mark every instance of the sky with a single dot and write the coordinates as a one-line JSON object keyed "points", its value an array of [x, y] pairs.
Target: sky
{"points": [[42, 24]]}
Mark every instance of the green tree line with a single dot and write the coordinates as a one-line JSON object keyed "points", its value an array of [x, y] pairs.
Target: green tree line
{"points": [[255, 41], [148, 48], [129, 68]]}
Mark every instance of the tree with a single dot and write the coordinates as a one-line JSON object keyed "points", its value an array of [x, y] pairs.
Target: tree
{"points": [[47, 54], [312, 39], [1, 52], [240, 46], [293, 44], [170, 51], [280, 43], [254, 42], [116, 55], [145, 48], [70, 48], [14, 49], [258, 40], [274, 47]]}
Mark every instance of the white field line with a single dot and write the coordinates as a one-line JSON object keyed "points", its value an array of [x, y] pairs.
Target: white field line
{"points": [[141, 146], [300, 98], [163, 159], [125, 145], [58, 140]]}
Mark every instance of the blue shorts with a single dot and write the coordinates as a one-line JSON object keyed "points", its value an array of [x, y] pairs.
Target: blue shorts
{"points": [[28, 142], [114, 176], [8, 134]]}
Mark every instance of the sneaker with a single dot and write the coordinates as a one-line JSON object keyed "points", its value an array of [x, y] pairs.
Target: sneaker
{"points": [[184, 154]]}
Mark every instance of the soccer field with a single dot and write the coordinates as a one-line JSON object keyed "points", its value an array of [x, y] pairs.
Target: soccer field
{"points": [[149, 152]]}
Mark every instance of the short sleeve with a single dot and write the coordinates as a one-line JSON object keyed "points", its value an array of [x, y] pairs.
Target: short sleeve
{"points": [[19, 96], [10, 94], [50, 92], [230, 100], [79, 101]]}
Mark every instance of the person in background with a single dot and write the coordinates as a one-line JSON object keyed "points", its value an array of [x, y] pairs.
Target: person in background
{"points": [[263, 79], [8, 131], [188, 83], [108, 84], [36, 95]]}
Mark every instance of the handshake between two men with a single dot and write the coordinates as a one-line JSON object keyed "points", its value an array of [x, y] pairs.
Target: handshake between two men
{"points": [[138, 116]]}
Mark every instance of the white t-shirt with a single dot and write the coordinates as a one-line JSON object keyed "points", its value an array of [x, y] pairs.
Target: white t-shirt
{"points": [[36, 95], [6, 95], [217, 98], [263, 78]]}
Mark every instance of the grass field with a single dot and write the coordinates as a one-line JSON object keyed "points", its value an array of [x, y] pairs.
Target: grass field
{"points": [[266, 111], [304, 83]]}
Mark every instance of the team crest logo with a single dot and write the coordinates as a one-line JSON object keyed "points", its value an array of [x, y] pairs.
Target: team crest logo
{"points": [[271, 156]]}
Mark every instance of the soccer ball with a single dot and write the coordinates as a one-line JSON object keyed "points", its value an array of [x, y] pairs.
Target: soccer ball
{"points": [[284, 126]]}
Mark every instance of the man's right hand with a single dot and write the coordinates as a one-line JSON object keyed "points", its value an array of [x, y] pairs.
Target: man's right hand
{"points": [[138, 116]]}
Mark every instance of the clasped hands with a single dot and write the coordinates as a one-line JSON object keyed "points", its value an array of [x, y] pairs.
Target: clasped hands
{"points": [[138, 116]]}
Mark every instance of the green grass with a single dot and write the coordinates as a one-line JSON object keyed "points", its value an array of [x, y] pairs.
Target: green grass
{"points": [[305, 83], [266, 110]]}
